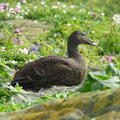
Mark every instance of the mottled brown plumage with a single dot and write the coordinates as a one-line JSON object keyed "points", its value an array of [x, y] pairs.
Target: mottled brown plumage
{"points": [[55, 70]]}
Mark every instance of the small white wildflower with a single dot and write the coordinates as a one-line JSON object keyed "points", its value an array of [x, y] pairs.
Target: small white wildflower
{"points": [[8, 14], [7, 4], [74, 18], [43, 3], [2, 10], [54, 6], [93, 32], [68, 24], [64, 11], [55, 16], [72, 6], [12, 10], [21, 17], [35, 21], [26, 13], [83, 10], [58, 3], [63, 5], [55, 35], [13, 62], [3, 49], [17, 16], [35, 7], [18, 4], [116, 19], [24, 51], [102, 14]]}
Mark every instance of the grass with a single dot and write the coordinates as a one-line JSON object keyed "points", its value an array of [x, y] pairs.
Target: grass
{"points": [[64, 16]]}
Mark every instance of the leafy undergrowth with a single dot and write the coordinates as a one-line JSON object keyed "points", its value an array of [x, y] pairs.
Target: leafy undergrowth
{"points": [[96, 18]]}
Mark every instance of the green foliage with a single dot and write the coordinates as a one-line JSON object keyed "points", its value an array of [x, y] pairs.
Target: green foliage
{"points": [[101, 80]]}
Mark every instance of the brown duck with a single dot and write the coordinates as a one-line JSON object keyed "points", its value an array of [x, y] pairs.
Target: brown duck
{"points": [[55, 70]]}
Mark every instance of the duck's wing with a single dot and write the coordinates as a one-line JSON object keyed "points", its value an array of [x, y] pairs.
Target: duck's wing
{"points": [[46, 71], [50, 64], [23, 73]]}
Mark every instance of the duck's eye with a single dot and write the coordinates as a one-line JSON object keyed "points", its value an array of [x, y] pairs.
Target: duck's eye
{"points": [[83, 33]]}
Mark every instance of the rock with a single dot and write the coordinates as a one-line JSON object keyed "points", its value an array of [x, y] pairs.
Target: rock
{"points": [[29, 96], [103, 105]]}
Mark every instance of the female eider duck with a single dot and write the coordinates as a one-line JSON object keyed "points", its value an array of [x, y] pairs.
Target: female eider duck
{"points": [[55, 70]]}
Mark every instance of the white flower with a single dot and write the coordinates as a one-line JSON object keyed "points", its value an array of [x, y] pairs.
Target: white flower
{"points": [[28, 10], [116, 18], [35, 21], [26, 13], [58, 3], [68, 24], [12, 10], [2, 10], [83, 10], [102, 14], [24, 51], [74, 18], [55, 35], [42, 3], [64, 11], [55, 16], [35, 7], [3, 49], [93, 32], [13, 62], [54, 6], [7, 4], [17, 16], [21, 17], [8, 14], [63, 5], [72, 6], [18, 4]]}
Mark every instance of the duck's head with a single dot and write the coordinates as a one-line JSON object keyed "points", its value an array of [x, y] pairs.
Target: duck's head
{"points": [[78, 37]]}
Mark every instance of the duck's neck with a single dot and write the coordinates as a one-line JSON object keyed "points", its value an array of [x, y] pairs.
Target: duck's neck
{"points": [[74, 54], [73, 51]]}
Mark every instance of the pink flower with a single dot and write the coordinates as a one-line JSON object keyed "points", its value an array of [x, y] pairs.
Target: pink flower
{"points": [[18, 41], [18, 31], [3, 7], [108, 58], [17, 9], [92, 14]]}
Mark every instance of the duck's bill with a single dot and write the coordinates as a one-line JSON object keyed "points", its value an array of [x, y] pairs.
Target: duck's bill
{"points": [[94, 43], [89, 42]]}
